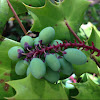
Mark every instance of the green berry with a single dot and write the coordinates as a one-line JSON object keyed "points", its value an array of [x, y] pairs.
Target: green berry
{"points": [[26, 39], [75, 56], [36, 41], [21, 67], [28, 70], [47, 35], [52, 62], [66, 67], [13, 52], [54, 42], [52, 76], [38, 68]]}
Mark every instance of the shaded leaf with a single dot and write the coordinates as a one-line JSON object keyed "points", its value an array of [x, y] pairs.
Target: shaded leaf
{"points": [[54, 15], [34, 3], [18, 7], [86, 76], [4, 9], [88, 91]]}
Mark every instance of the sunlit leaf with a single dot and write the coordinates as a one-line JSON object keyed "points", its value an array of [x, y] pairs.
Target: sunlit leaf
{"points": [[88, 91], [32, 88], [95, 38], [6, 67]]}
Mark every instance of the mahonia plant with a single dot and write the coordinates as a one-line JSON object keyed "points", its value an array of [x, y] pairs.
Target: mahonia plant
{"points": [[47, 58]]}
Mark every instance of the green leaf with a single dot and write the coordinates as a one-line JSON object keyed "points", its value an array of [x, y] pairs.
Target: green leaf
{"points": [[89, 66], [94, 13], [32, 88], [85, 31], [95, 38], [6, 65], [34, 3], [54, 15], [6, 13], [88, 91], [4, 9], [86, 76]]}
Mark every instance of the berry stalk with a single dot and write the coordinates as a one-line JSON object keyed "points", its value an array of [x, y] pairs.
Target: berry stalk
{"points": [[41, 49]]}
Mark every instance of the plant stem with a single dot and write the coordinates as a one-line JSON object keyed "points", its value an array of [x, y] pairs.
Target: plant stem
{"points": [[16, 16], [40, 49], [73, 32], [91, 56]]}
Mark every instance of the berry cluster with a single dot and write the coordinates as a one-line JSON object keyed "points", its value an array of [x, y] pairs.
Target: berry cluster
{"points": [[46, 57]]}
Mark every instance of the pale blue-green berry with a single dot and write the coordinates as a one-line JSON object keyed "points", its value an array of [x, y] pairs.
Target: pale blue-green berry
{"points": [[47, 35], [28, 70], [56, 42], [13, 52], [75, 56], [21, 67], [38, 68], [53, 62], [52, 76], [26, 39], [36, 41], [66, 67]]}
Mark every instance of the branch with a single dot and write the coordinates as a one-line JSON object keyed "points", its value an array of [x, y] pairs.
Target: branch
{"points": [[40, 49], [73, 32], [16, 16], [92, 56]]}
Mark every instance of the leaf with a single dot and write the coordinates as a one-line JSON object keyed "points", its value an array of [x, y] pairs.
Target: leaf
{"points": [[34, 3], [89, 66], [95, 38], [86, 76], [94, 13], [6, 65], [54, 15], [4, 9], [73, 92], [18, 7], [85, 31], [88, 91], [32, 88]]}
